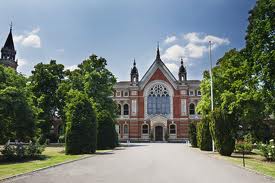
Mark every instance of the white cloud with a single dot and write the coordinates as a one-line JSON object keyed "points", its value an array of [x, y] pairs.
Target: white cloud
{"points": [[172, 67], [30, 39], [199, 38], [71, 68], [194, 46], [170, 39]]}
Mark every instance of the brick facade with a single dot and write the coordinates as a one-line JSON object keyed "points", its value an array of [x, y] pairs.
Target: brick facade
{"points": [[137, 123]]}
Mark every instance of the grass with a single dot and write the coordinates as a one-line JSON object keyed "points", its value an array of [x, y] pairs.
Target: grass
{"points": [[253, 161], [53, 155]]}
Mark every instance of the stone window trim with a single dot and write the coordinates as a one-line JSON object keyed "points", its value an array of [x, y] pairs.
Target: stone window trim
{"points": [[173, 129], [126, 129], [191, 92], [126, 109], [145, 129], [198, 93]]}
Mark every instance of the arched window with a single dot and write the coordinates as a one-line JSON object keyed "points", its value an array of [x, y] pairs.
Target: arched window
{"points": [[118, 109], [158, 101], [172, 129], [125, 129], [192, 109], [126, 109], [145, 129]]}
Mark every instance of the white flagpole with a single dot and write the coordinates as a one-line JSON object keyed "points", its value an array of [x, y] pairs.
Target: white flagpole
{"points": [[211, 83]]}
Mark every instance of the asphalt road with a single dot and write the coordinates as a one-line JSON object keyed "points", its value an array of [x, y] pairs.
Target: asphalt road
{"points": [[142, 163]]}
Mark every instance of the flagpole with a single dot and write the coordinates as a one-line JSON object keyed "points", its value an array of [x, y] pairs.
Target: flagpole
{"points": [[211, 84]]}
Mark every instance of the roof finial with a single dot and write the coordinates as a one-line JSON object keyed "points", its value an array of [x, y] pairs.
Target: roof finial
{"points": [[10, 26], [181, 60], [134, 62], [158, 54]]}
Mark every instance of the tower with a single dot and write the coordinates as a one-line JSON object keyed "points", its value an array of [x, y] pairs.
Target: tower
{"points": [[8, 52], [134, 74], [182, 72]]}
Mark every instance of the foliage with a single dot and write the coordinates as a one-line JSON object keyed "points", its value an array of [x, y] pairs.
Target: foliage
{"points": [[61, 139], [245, 145], [223, 130], [81, 124], [260, 48], [18, 151], [44, 83], [204, 140], [18, 114], [193, 134], [107, 137], [268, 150]]}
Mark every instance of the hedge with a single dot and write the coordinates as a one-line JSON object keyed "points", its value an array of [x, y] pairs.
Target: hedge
{"points": [[193, 134], [204, 139]]}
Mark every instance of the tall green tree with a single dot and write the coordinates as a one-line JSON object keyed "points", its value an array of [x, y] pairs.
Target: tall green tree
{"points": [[81, 127], [18, 115], [260, 49], [44, 82]]}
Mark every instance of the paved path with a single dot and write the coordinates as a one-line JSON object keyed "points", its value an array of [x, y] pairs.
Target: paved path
{"points": [[152, 163]]}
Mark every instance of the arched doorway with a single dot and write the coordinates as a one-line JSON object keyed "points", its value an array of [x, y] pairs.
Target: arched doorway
{"points": [[158, 133]]}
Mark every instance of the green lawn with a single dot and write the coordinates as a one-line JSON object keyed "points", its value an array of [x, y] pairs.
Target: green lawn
{"points": [[252, 161], [54, 155]]}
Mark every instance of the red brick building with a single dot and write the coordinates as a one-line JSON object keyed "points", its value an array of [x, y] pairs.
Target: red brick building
{"points": [[158, 107]]}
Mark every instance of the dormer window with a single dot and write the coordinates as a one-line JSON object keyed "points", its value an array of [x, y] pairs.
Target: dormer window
{"points": [[199, 93], [118, 94], [126, 94]]}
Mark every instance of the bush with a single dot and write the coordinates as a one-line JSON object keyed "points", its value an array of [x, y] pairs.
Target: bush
{"points": [[223, 131], [204, 140], [245, 145], [193, 134], [268, 150], [81, 124], [107, 137], [19, 151]]}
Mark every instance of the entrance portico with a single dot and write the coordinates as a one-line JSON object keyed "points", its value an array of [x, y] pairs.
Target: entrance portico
{"points": [[159, 127]]}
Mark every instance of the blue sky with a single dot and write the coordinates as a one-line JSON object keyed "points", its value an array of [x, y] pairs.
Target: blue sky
{"points": [[69, 31]]}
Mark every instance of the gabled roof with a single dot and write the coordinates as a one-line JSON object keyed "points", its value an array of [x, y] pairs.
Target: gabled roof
{"points": [[158, 64]]}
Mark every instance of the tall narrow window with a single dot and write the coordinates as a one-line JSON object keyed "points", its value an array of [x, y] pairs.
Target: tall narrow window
{"points": [[192, 109], [158, 101], [145, 129], [118, 109], [172, 129], [125, 129], [126, 109], [183, 106]]}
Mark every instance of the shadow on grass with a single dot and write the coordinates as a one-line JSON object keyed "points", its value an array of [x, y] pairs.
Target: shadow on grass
{"points": [[4, 161]]}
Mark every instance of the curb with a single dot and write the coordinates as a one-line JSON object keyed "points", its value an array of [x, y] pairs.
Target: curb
{"points": [[44, 168]]}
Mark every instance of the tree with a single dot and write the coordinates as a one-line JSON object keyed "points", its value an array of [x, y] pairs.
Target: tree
{"points": [[204, 139], [107, 137], [81, 125], [44, 82], [193, 134], [223, 129], [260, 49], [18, 115]]}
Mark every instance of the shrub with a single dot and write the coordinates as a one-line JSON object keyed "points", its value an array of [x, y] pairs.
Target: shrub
{"points": [[268, 150], [61, 139], [223, 131], [81, 124], [193, 134], [204, 140], [18, 151], [244, 145], [107, 137]]}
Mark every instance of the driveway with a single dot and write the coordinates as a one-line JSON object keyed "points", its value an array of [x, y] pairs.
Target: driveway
{"points": [[152, 163]]}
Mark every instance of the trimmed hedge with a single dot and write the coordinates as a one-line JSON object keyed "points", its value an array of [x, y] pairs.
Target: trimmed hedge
{"points": [[223, 130], [204, 140], [81, 125], [193, 134], [107, 137]]}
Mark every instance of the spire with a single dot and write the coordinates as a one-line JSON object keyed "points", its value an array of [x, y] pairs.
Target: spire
{"points": [[158, 54], [9, 42], [182, 71], [134, 73]]}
